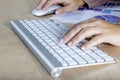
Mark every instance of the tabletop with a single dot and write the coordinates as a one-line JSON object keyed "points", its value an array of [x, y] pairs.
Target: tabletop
{"points": [[18, 63]]}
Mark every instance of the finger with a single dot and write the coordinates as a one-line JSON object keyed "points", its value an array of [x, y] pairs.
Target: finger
{"points": [[70, 34], [48, 4], [66, 8], [91, 22], [84, 33], [41, 4], [93, 42]]}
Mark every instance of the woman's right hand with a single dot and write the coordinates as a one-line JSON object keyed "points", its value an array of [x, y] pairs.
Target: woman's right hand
{"points": [[68, 5]]}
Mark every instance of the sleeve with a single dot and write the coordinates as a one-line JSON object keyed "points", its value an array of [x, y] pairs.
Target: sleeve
{"points": [[94, 3]]}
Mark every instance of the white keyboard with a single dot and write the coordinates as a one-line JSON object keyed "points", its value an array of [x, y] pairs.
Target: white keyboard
{"points": [[42, 36]]}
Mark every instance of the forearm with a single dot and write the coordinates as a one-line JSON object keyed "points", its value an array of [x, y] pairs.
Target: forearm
{"points": [[118, 25], [95, 3]]}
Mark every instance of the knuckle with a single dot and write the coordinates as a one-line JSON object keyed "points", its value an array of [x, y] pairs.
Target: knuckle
{"points": [[73, 30], [77, 27], [74, 40], [97, 39], [86, 31], [118, 44]]}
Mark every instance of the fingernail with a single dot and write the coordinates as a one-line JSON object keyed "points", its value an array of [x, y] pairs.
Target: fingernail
{"points": [[44, 9], [61, 41], [83, 48], [69, 44], [37, 7], [57, 12]]}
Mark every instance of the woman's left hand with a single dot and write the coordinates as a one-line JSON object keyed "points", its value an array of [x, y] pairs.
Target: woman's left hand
{"points": [[102, 32]]}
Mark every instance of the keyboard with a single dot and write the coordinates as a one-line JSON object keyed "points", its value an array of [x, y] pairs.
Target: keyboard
{"points": [[109, 18], [42, 37], [112, 4]]}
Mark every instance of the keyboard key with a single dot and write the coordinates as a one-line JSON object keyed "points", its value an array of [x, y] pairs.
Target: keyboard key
{"points": [[72, 62], [108, 58], [88, 58], [96, 57], [80, 60]]}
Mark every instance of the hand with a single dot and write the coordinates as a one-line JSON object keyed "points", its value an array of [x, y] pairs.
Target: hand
{"points": [[68, 5], [102, 32]]}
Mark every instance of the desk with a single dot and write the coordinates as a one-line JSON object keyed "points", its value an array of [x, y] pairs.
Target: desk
{"points": [[18, 63]]}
